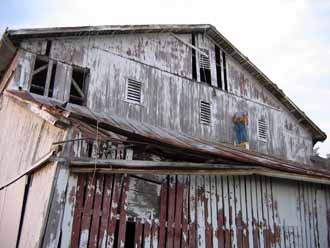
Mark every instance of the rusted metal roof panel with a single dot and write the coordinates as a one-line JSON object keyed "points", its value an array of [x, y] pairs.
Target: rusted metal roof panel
{"points": [[161, 136]]}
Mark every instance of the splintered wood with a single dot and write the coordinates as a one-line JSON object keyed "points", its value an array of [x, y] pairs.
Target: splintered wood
{"points": [[122, 210]]}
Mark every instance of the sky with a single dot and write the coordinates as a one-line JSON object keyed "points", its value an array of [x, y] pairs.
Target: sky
{"points": [[288, 40]]}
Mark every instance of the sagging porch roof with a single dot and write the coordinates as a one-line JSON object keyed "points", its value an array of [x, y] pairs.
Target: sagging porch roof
{"points": [[54, 110], [17, 35]]}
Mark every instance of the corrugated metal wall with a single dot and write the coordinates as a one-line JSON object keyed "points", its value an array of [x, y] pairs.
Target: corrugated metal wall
{"points": [[195, 211]]}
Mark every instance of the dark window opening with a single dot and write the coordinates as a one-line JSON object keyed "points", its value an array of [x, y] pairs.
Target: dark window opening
{"points": [[78, 83], [39, 76], [204, 66], [48, 47], [224, 70], [218, 66], [130, 234], [194, 69]]}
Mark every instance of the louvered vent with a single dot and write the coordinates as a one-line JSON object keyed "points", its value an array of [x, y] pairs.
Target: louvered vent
{"points": [[205, 113], [204, 61], [133, 91], [262, 130]]}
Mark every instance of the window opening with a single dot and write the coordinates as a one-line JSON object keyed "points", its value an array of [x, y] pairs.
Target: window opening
{"points": [[224, 71], [77, 90], [194, 69], [39, 76], [204, 66], [218, 66]]}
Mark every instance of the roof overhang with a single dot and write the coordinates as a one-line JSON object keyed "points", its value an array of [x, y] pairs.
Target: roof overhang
{"points": [[160, 136], [209, 30]]}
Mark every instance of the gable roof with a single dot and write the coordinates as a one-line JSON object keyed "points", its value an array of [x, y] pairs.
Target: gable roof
{"points": [[318, 135]]}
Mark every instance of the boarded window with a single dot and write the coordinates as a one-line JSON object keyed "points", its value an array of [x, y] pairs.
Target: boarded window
{"points": [[78, 86], [205, 112], [43, 76], [133, 91], [262, 130], [204, 66]]}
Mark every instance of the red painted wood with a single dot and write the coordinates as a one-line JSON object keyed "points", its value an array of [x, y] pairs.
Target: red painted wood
{"points": [[185, 214], [113, 211], [178, 214], [77, 212], [122, 220], [162, 218], [87, 211], [154, 234], [171, 212], [138, 235], [221, 234], [103, 232], [147, 233], [96, 212]]}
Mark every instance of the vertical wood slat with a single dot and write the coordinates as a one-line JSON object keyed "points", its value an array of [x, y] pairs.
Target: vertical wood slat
{"points": [[225, 191], [171, 212], [67, 223], [77, 212], [208, 212], [163, 210], [113, 211], [123, 208], [220, 212], [103, 232], [192, 212], [200, 212], [238, 212], [87, 212], [154, 234], [138, 234], [178, 212], [147, 234], [185, 212], [96, 212], [214, 211]]}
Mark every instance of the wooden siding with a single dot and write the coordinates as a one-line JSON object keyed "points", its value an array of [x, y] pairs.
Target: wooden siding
{"points": [[170, 98], [197, 211], [24, 139]]}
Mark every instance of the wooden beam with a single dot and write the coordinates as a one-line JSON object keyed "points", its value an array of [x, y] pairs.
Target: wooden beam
{"points": [[190, 45], [40, 69], [76, 86], [49, 76]]}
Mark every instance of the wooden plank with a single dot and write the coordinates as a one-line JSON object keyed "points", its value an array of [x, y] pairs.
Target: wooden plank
{"points": [[106, 206], [62, 83], [94, 230], [123, 214], [207, 212], [49, 75], [214, 211], [87, 211], [220, 212], [178, 212], [138, 234], [254, 208], [200, 209], [238, 211], [171, 212], [185, 212], [68, 217], [226, 211], [232, 219], [113, 211], [154, 234], [147, 234], [163, 211], [78, 211], [192, 212]]}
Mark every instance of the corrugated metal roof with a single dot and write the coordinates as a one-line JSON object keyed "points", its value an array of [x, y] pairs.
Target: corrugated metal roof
{"points": [[211, 31], [144, 131]]}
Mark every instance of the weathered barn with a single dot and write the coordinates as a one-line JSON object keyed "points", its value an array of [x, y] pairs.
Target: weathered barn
{"points": [[152, 136]]}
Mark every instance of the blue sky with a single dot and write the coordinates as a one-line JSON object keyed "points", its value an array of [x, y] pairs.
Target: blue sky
{"points": [[289, 40]]}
